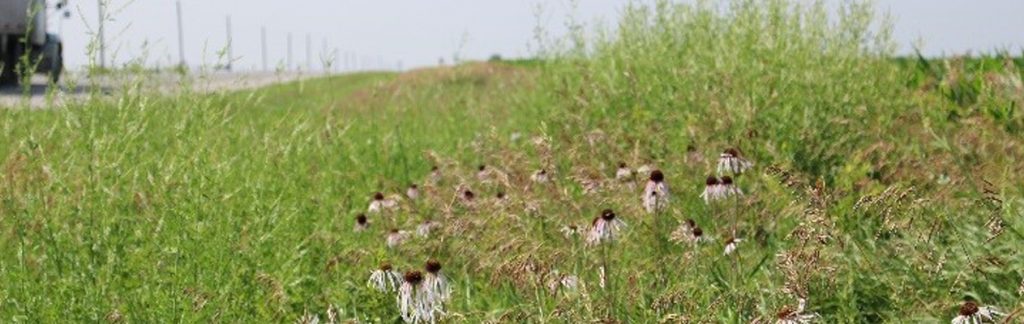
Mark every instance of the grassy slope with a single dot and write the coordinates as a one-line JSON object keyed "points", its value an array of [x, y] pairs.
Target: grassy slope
{"points": [[875, 193]]}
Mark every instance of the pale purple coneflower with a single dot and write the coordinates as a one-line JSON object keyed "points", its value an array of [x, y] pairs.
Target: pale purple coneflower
{"points": [[730, 161], [971, 312], [697, 235], [541, 176], [307, 318], [435, 175], [589, 185], [379, 203], [688, 232], [795, 316], [713, 190], [385, 279], [413, 192], [424, 229], [729, 188], [500, 199], [415, 304], [531, 207], [361, 223], [1020, 290], [570, 282], [604, 228], [396, 237], [436, 283], [656, 194], [468, 197], [559, 281], [693, 156], [595, 136], [731, 245], [332, 314], [482, 173], [570, 231], [624, 173]]}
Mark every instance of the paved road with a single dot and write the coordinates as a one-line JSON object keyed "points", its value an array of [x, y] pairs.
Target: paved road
{"points": [[39, 95]]}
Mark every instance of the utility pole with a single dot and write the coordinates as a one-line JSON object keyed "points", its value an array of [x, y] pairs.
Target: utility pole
{"points": [[309, 52], [289, 67], [325, 58], [231, 56], [263, 46], [103, 46], [335, 66], [181, 37]]}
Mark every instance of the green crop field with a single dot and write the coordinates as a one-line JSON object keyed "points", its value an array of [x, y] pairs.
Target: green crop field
{"points": [[879, 188]]}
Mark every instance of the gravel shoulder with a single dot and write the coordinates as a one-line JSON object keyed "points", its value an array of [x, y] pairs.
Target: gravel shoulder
{"points": [[41, 96]]}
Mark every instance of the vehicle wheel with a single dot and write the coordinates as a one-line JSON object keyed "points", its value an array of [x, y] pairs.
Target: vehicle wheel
{"points": [[57, 65], [8, 73]]}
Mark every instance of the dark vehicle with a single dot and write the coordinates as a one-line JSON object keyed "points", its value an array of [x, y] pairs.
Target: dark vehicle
{"points": [[23, 35]]}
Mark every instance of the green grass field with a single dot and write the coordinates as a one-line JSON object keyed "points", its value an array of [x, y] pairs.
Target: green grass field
{"points": [[883, 189]]}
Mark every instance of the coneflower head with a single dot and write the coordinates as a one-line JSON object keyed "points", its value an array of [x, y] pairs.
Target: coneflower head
{"points": [[468, 195], [385, 266], [657, 176], [711, 181], [622, 165], [784, 313], [414, 277], [378, 196], [481, 167], [732, 152], [361, 219], [607, 215], [968, 308], [727, 180], [433, 266]]}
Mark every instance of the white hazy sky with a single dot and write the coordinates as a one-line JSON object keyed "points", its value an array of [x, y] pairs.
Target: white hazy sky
{"points": [[383, 33]]}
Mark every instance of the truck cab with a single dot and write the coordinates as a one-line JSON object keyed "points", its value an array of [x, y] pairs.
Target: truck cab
{"points": [[26, 47]]}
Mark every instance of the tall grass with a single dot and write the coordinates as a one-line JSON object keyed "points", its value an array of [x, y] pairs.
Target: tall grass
{"points": [[867, 199]]}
